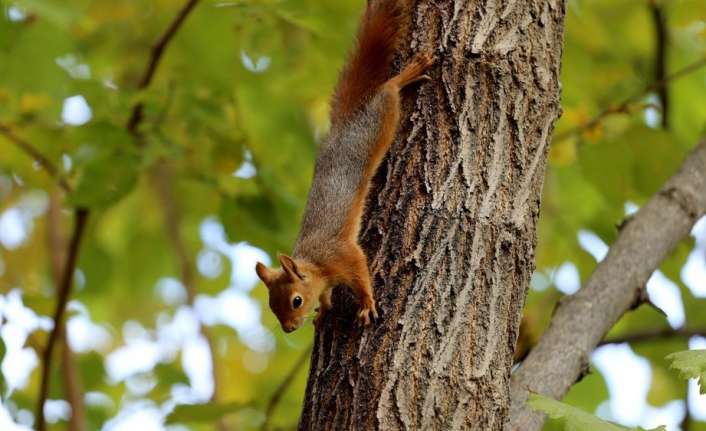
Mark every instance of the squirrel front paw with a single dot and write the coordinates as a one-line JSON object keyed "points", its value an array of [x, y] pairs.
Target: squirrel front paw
{"points": [[365, 311]]}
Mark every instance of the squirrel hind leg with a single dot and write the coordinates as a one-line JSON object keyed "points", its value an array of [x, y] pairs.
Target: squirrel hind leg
{"points": [[414, 71]]}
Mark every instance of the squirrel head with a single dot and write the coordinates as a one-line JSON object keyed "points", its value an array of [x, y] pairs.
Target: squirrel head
{"points": [[293, 290]]}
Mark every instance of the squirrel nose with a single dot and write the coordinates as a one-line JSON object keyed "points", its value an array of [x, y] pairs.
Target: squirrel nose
{"points": [[289, 327]]}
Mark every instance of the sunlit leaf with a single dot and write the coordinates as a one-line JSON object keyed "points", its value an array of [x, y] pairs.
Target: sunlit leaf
{"points": [[201, 412], [691, 364], [105, 181], [574, 419]]}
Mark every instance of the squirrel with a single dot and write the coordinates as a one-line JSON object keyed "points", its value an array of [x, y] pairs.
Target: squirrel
{"points": [[365, 112]]}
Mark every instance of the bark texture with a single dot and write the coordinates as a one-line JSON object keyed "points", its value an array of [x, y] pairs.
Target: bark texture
{"points": [[581, 321], [449, 228]]}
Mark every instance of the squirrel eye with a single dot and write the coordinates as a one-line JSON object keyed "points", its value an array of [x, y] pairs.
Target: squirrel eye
{"points": [[297, 301]]}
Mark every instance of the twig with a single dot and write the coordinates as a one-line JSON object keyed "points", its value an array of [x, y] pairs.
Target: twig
{"points": [[624, 106], [645, 336], [71, 378], [73, 385], [686, 422], [28, 148], [661, 38], [282, 388], [81, 216], [155, 56]]}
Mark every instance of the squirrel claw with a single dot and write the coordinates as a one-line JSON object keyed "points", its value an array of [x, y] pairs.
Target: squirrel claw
{"points": [[364, 317], [364, 314]]}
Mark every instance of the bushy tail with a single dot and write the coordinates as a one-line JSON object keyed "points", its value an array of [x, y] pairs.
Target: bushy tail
{"points": [[370, 63]]}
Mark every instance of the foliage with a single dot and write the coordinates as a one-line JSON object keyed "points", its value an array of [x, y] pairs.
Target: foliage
{"points": [[201, 412], [691, 364], [574, 419], [231, 124]]}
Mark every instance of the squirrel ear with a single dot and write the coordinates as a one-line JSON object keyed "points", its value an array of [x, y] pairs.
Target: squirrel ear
{"points": [[264, 273], [290, 266]]}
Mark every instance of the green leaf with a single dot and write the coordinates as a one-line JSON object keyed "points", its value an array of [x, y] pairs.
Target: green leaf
{"points": [[201, 412], [589, 393], [54, 11], [574, 419], [105, 182], [259, 214], [108, 163], [691, 365], [167, 374]]}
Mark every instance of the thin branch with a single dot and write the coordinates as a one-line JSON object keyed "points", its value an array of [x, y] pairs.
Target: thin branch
{"points": [[660, 334], [686, 422], [81, 216], [624, 106], [36, 155], [283, 386], [661, 39], [73, 385], [156, 54], [581, 320]]}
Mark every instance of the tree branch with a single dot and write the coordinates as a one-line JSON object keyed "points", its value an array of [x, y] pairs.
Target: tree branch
{"points": [[156, 54], [28, 148], [73, 386], [661, 39], [624, 106], [80, 216], [646, 336], [581, 321], [282, 388], [686, 422]]}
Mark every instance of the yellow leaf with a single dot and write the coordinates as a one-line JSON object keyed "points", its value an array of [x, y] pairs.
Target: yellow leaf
{"points": [[574, 117], [594, 133], [32, 102], [563, 153]]}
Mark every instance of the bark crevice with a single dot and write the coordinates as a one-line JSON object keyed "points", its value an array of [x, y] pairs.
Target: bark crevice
{"points": [[449, 229]]}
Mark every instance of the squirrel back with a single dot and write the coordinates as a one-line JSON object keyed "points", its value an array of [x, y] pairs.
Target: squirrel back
{"points": [[344, 164], [369, 64], [365, 114]]}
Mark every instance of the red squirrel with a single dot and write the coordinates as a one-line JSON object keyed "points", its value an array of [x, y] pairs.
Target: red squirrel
{"points": [[365, 112]]}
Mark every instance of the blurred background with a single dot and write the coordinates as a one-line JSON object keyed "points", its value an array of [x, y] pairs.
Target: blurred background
{"points": [[167, 326]]}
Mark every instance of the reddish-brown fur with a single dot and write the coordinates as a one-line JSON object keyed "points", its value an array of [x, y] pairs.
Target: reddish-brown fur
{"points": [[365, 114], [380, 32]]}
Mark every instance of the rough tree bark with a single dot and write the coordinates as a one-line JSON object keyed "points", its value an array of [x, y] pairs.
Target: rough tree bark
{"points": [[449, 228]]}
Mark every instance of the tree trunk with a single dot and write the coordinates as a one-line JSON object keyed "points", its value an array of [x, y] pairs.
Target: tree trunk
{"points": [[449, 229]]}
